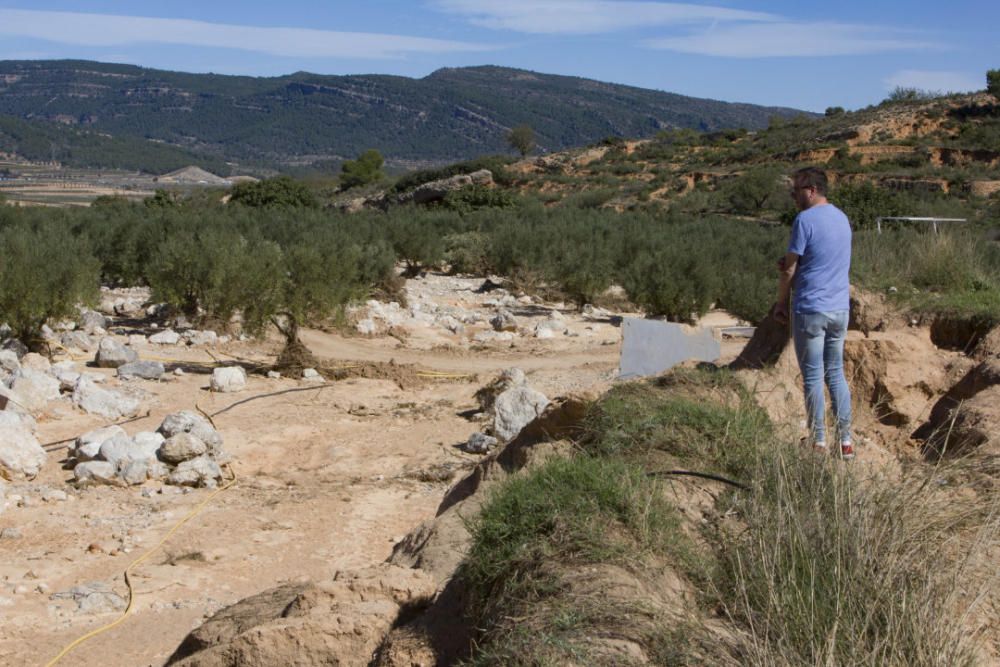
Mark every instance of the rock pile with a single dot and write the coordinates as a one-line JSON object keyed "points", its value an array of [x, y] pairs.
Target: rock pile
{"points": [[185, 451]]}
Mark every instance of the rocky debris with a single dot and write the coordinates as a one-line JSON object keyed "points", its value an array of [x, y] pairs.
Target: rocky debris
{"points": [[229, 379], [195, 337], [107, 403], [494, 336], [91, 320], [503, 320], [341, 621], [514, 409], [166, 337], [480, 443], [112, 353], [366, 327], [123, 301], [21, 455], [596, 314], [551, 328], [146, 370], [95, 597], [186, 450]]}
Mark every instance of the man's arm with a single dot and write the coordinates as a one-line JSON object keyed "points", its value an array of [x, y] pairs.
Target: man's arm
{"points": [[787, 266]]}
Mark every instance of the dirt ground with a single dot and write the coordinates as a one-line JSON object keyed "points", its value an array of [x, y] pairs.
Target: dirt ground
{"points": [[329, 478]]}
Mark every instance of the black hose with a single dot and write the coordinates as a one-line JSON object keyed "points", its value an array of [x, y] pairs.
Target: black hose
{"points": [[703, 475]]}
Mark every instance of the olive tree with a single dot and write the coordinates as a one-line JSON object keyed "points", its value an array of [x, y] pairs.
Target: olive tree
{"points": [[45, 271]]}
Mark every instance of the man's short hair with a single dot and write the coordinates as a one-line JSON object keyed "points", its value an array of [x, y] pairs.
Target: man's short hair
{"points": [[811, 177]]}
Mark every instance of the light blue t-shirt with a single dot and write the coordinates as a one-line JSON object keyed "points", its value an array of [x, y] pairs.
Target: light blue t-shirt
{"points": [[821, 237]]}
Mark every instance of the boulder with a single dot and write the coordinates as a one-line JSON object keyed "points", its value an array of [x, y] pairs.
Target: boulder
{"points": [[514, 409], [134, 473], [34, 389], [312, 375], [181, 447], [107, 403], [229, 379], [88, 446], [186, 421], [121, 450], [168, 337], [15, 346], [147, 370], [551, 328], [36, 362], [20, 452], [78, 340], [509, 378], [9, 363], [91, 320], [503, 320], [480, 443], [200, 471], [95, 472], [111, 353]]}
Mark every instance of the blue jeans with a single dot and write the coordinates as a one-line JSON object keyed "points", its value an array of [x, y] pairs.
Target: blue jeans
{"points": [[819, 346]]}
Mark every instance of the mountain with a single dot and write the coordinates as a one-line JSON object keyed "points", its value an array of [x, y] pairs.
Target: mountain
{"points": [[302, 118]]}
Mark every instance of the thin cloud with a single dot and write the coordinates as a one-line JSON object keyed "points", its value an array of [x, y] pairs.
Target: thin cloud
{"points": [[588, 16], [789, 39], [946, 82], [107, 30]]}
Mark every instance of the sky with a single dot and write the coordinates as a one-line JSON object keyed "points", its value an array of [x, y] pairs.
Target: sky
{"points": [[797, 54]]}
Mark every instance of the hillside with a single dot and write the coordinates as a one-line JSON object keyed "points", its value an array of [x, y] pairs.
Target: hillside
{"points": [[301, 118], [917, 158]]}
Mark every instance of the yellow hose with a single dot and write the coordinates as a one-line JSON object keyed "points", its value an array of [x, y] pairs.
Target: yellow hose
{"points": [[128, 581]]}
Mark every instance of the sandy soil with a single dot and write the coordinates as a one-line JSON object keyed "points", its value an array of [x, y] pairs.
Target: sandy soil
{"points": [[329, 479]]}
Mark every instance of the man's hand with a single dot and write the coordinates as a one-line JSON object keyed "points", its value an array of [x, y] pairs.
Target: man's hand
{"points": [[781, 264], [780, 312]]}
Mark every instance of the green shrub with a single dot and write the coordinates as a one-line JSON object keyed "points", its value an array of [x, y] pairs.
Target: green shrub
{"points": [[273, 192], [366, 169], [45, 272]]}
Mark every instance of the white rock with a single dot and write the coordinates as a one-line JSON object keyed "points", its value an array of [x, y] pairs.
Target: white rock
{"points": [[366, 327], [104, 402], [493, 336], [112, 354], [201, 471], [136, 339], [147, 370], [186, 421], [34, 389], [116, 450], [88, 445], [9, 361], [94, 472], [91, 320], [273, 375], [503, 320], [311, 375], [195, 337], [179, 372], [181, 447], [480, 443], [134, 473], [167, 337], [35, 362], [229, 379], [20, 452], [514, 409]]}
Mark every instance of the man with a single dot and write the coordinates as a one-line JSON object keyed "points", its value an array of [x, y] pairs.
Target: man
{"points": [[817, 264]]}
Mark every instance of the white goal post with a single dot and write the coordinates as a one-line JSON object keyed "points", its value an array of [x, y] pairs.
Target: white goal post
{"points": [[934, 221]]}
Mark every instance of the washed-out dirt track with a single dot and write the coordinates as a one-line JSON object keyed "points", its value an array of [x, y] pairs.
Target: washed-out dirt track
{"points": [[329, 479]]}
